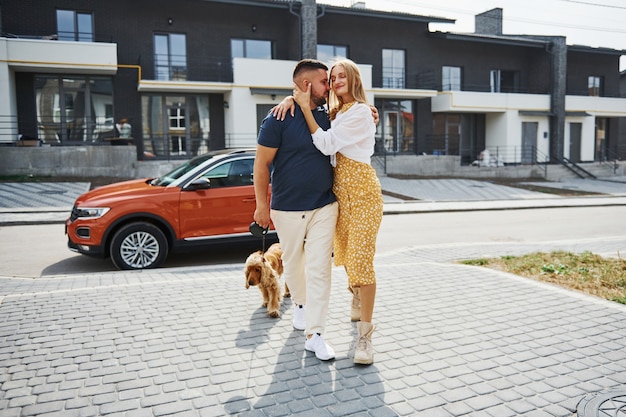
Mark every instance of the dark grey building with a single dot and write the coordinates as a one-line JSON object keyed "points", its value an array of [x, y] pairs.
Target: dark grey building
{"points": [[194, 75]]}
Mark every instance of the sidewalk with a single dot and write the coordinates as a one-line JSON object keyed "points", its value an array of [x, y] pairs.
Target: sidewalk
{"points": [[41, 203], [451, 340]]}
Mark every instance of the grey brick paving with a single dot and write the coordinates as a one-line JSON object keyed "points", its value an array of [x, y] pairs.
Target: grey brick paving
{"points": [[456, 190], [452, 340], [40, 194]]}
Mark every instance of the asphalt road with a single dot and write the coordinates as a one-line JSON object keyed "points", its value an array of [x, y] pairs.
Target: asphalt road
{"points": [[40, 250]]}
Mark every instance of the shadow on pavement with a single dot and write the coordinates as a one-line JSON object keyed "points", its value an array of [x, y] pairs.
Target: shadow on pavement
{"points": [[82, 264], [300, 383]]}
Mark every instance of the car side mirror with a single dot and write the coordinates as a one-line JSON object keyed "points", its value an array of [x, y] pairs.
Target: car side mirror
{"points": [[199, 184]]}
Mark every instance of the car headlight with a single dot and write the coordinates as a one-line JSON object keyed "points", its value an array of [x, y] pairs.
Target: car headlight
{"points": [[89, 212]]}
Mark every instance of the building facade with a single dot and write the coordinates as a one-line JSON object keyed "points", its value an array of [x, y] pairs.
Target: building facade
{"points": [[198, 75]]}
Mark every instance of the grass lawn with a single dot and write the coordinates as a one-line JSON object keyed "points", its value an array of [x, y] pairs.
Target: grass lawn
{"points": [[584, 272]]}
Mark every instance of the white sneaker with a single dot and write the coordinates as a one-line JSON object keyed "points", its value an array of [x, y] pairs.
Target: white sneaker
{"points": [[299, 317], [322, 350]]}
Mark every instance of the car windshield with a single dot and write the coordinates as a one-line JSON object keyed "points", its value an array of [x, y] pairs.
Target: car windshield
{"points": [[178, 172]]}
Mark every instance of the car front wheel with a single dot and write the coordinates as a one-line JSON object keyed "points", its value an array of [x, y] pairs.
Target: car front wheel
{"points": [[138, 246]]}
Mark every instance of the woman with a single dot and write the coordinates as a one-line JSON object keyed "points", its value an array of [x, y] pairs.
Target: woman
{"points": [[350, 142]]}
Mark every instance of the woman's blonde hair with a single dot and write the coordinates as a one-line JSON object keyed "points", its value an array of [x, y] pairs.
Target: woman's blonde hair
{"points": [[355, 86]]}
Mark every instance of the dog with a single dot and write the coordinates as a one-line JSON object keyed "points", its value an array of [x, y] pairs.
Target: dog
{"points": [[264, 270]]}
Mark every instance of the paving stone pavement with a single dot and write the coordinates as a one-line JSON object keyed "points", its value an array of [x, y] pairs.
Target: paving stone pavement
{"points": [[456, 190], [451, 340], [40, 194]]}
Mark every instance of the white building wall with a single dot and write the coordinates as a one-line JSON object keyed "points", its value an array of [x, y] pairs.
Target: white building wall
{"points": [[495, 132]]}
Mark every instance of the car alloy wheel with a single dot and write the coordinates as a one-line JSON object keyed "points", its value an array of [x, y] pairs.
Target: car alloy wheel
{"points": [[138, 246]]}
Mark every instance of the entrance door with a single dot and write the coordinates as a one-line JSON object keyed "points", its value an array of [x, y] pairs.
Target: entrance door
{"points": [[529, 142], [575, 133]]}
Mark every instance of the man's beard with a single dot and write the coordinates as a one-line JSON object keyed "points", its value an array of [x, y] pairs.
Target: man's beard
{"points": [[318, 100]]}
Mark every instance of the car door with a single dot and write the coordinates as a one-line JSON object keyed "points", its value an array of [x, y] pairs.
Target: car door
{"points": [[226, 207]]}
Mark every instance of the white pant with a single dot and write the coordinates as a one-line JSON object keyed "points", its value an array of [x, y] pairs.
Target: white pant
{"points": [[306, 238]]}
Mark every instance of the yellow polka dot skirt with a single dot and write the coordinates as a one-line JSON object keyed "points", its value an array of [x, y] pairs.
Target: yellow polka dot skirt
{"points": [[360, 212]]}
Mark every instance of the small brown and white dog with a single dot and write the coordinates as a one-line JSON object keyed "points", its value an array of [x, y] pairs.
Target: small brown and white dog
{"points": [[264, 271]]}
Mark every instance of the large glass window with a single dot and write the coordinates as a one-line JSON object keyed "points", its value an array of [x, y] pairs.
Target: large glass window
{"points": [[73, 109], [504, 81], [170, 56], [326, 53], [251, 48], [451, 79], [74, 26], [393, 68], [594, 86], [175, 125], [395, 133]]}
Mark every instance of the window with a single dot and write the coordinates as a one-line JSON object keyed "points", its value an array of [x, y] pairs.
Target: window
{"points": [[595, 86], [177, 129], [74, 26], [74, 109], [326, 53], [504, 81], [170, 56], [395, 132], [393, 68], [451, 79], [175, 125], [250, 48]]}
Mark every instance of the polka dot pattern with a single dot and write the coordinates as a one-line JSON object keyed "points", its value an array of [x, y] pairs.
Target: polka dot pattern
{"points": [[360, 213]]}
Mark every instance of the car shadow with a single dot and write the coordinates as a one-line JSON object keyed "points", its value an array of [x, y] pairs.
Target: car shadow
{"points": [[80, 264]]}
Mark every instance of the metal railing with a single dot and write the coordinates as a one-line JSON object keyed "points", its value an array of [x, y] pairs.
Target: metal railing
{"points": [[576, 169], [610, 158]]}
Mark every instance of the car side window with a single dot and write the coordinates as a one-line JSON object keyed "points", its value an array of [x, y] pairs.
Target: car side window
{"points": [[231, 174]]}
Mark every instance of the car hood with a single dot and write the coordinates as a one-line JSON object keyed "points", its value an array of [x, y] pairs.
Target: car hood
{"points": [[118, 191]]}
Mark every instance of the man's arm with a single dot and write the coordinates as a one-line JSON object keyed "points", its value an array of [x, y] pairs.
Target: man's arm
{"points": [[262, 164]]}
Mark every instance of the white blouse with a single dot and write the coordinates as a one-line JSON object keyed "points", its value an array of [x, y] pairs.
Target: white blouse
{"points": [[352, 133]]}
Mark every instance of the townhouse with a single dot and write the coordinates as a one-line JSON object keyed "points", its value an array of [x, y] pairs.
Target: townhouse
{"points": [[198, 75]]}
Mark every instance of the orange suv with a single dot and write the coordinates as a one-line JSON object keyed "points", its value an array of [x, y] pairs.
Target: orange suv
{"points": [[137, 223]]}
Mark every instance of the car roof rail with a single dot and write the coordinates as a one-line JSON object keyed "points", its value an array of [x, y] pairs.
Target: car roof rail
{"points": [[242, 150], [231, 151]]}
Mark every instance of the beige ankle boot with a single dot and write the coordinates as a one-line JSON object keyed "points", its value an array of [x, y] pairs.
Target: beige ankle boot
{"points": [[364, 352], [355, 309]]}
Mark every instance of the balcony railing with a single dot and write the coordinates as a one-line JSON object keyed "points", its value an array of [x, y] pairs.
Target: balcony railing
{"points": [[471, 154]]}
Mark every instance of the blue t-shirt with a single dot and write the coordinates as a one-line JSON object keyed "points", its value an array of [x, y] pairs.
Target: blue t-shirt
{"points": [[302, 177]]}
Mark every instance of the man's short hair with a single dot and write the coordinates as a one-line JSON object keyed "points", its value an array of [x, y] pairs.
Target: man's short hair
{"points": [[308, 65]]}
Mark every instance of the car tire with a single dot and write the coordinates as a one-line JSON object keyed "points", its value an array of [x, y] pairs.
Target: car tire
{"points": [[138, 245]]}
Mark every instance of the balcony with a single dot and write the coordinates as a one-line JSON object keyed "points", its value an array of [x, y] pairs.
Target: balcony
{"points": [[474, 102], [53, 56], [597, 106]]}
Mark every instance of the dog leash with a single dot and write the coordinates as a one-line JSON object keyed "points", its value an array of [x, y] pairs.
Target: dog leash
{"points": [[258, 231]]}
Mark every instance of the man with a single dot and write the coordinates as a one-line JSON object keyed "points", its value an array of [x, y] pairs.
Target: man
{"points": [[303, 207]]}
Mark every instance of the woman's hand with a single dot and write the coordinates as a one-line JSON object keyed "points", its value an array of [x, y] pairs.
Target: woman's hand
{"points": [[303, 98], [375, 115], [280, 110]]}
